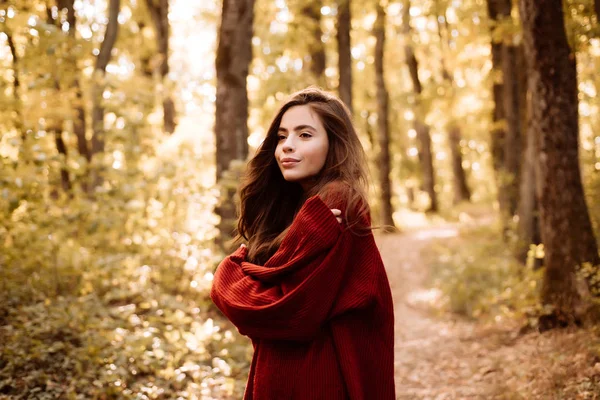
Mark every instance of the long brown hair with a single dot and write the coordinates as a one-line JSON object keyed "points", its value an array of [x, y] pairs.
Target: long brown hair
{"points": [[268, 203]]}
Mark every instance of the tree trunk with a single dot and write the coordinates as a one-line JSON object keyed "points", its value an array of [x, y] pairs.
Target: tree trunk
{"points": [[159, 11], [65, 181], [528, 230], [423, 135], [461, 189], [529, 227], [54, 125], [344, 53], [565, 223], [79, 121], [597, 9], [498, 132], [383, 131], [19, 124], [512, 140], [110, 36], [316, 49], [234, 55]]}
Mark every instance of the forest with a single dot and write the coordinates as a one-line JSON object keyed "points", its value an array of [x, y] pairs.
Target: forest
{"points": [[126, 126]]}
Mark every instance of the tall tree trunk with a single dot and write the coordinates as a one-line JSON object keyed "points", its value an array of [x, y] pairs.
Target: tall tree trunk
{"points": [[54, 125], [565, 223], [65, 180], [512, 140], [19, 121], [461, 189], [79, 121], [383, 130], [110, 36], [423, 135], [344, 53], [159, 10], [312, 12], [234, 55], [597, 9], [529, 228], [498, 132], [19, 124], [507, 96]]}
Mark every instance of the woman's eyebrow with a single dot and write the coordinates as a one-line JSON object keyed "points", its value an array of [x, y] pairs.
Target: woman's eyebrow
{"points": [[298, 128]]}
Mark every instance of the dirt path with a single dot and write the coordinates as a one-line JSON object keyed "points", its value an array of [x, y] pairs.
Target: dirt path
{"points": [[434, 359], [443, 357]]}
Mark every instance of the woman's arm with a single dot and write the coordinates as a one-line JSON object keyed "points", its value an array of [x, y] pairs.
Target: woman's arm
{"points": [[271, 301]]}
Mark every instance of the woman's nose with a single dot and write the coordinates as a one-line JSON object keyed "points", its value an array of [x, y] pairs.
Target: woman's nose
{"points": [[288, 145]]}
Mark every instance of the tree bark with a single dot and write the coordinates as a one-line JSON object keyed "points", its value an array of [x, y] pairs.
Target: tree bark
{"points": [[19, 125], [54, 125], [512, 140], [383, 131], [79, 121], [65, 180], [344, 52], [461, 189], [316, 49], [159, 11], [423, 135], [234, 55], [498, 132], [529, 228], [565, 223], [110, 36]]}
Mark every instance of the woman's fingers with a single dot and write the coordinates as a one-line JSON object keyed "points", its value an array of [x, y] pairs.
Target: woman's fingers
{"points": [[337, 213]]}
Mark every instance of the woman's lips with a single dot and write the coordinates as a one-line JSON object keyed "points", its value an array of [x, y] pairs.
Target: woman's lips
{"points": [[289, 163]]}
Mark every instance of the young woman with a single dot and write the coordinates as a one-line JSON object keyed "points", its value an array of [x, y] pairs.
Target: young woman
{"points": [[310, 289]]}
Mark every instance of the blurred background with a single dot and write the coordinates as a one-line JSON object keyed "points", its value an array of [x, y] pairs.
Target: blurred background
{"points": [[126, 124]]}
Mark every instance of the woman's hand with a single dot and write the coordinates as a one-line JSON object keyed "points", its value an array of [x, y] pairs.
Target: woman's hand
{"points": [[337, 213]]}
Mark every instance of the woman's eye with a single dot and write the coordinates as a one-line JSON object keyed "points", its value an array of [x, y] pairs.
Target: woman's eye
{"points": [[280, 137], [305, 134]]}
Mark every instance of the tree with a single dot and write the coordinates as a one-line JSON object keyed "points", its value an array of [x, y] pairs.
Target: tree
{"points": [[79, 120], [528, 230], [422, 129], [234, 54], [566, 229], [461, 189], [110, 36], [312, 12], [344, 54], [159, 11], [383, 129], [597, 9], [55, 123], [506, 137]]}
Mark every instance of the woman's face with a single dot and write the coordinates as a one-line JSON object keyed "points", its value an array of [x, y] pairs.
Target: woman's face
{"points": [[303, 145]]}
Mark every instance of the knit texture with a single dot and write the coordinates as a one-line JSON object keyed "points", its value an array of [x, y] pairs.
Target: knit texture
{"points": [[319, 312]]}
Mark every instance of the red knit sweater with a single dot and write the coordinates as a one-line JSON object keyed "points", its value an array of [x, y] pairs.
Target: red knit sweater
{"points": [[319, 313]]}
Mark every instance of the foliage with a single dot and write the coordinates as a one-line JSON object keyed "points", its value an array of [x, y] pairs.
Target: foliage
{"points": [[112, 292], [479, 277], [104, 282], [104, 285]]}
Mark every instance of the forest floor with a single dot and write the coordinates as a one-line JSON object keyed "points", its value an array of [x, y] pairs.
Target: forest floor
{"points": [[443, 356]]}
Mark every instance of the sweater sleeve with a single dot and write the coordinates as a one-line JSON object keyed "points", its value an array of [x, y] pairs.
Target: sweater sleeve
{"points": [[271, 301]]}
